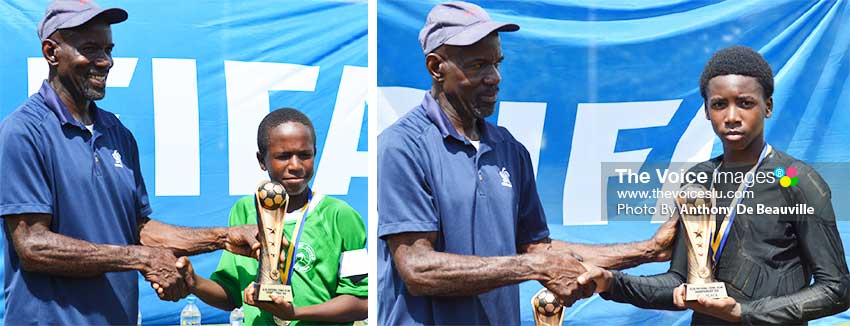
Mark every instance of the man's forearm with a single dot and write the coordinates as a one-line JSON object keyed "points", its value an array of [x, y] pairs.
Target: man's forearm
{"points": [[610, 256], [59, 255], [182, 241], [444, 274], [342, 309]]}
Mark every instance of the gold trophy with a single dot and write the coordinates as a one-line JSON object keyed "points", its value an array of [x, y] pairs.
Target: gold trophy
{"points": [[694, 207], [271, 202], [547, 310]]}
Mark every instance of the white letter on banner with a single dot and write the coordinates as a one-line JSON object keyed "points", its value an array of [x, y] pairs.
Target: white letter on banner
{"points": [[119, 76], [340, 159], [525, 121], [594, 139], [175, 114], [394, 102], [247, 85]]}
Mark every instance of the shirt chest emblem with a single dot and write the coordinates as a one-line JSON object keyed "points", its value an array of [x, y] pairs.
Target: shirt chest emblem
{"points": [[117, 157], [305, 259], [506, 178]]}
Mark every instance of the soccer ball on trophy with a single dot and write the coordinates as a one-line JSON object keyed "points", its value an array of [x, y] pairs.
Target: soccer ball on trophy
{"points": [[546, 304], [271, 195], [548, 311]]}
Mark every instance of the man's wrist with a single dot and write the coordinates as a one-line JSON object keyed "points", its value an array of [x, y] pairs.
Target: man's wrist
{"points": [[139, 257], [649, 250], [532, 266], [222, 237]]}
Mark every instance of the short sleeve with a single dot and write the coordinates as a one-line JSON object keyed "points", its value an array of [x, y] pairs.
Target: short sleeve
{"points": [[352, 234], [405, 199], [24, 171], [531, 220], [143, 206]]}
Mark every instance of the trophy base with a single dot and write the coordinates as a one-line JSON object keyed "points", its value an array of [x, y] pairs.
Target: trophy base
{"points": [[264, 292], [715, 290]]}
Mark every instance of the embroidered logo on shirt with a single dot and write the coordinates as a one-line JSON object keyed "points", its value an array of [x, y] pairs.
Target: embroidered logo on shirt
{"points": [[506, 178], [305, 258], [117, 157]]}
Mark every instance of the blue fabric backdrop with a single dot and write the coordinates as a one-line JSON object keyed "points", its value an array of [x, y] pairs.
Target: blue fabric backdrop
{"points": [[585, 82], [226, 44]]}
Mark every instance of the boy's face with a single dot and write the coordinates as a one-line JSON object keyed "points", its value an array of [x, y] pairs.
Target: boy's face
{"points": [[289, 158], [737, 108]]}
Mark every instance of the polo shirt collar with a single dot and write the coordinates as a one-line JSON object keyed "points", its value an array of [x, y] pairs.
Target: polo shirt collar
{"points": [[439, 118], [444, 125], [64, 115]]}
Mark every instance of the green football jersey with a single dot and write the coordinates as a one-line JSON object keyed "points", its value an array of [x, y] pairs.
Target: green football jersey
{"points": [[331, 228]]}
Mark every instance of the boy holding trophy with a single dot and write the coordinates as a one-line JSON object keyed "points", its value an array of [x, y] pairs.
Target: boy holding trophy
{"points": [[764, 260], [322, 256]]}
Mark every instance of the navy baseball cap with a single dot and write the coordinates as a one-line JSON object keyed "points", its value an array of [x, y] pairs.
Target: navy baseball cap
{"points": [[62, 14], [458, 23]]}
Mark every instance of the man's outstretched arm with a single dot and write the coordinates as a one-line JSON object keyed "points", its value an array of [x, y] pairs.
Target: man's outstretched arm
{"points": [[624, 255], [426, 271], [185, 241]]}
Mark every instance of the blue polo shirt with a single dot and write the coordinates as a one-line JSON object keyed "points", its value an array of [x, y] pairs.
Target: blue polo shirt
{"points": [[480, 202], [92, 186]]}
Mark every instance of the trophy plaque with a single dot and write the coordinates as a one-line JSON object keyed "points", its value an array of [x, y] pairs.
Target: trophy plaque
{"points": [[694, 207], [547, 310], [271, 202]]}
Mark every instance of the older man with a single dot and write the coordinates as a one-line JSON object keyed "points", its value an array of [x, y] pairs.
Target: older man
{"points": [[72, 195], [457, 200]]}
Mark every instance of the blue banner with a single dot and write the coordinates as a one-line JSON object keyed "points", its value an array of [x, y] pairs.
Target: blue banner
{"points": [[590, 82], [193, 79]]}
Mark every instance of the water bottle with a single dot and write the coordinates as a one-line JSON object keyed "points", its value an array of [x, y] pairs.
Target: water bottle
{"points": [[139, 320], [236, 317], [190, 316]]}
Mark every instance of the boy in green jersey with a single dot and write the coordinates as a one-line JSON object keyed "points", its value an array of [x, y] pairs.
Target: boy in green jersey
{"points": [[327, 288]]}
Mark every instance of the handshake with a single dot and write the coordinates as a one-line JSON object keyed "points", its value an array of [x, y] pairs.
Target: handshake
{"points": [[568, 278], [174, 278]]}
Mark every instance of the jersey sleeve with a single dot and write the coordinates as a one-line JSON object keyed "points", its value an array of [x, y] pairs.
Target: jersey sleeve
{"points": [[405, 198], [352, 233], [227, 274], [24, 171]]}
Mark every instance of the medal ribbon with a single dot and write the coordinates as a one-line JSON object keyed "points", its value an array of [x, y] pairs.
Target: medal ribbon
{"points": [[719, 239], [293, 245]]}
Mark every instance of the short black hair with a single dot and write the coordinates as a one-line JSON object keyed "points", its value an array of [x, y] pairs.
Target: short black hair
{"points": [[738, 60], [277, 118]]}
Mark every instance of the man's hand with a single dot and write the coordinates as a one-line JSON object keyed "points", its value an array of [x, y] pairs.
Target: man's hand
{"points": [[602, 278], [278, 307], [661, 244], [725, 308], [242, 240], [560, 270], [161, 272]]}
